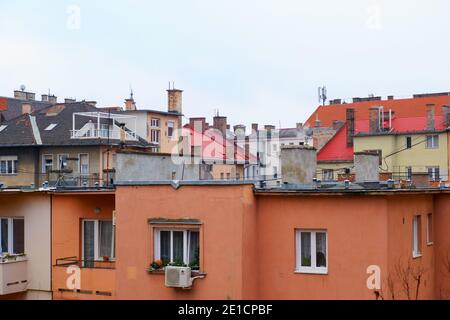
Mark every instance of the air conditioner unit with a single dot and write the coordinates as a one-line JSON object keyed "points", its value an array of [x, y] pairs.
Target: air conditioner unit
{"points": [[178, 277]]}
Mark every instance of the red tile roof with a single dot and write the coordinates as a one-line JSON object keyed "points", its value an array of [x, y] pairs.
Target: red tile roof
{"points": [[337, 150], [403, 108], [214, 145]]}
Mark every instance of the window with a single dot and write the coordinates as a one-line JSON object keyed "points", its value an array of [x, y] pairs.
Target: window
{"points": [[430, 228], [275, 172], [408, 142], [433, 173], [228, 176], [417, 236], [155, 136], [170, 127], [51, 127], [408, 173], [84, 163], [222, 175], [12, 235], [327, 174], [8, 165], [432, 142], [178, 246], [98, 241], [312, 252], [47, 163], [154, 122]]}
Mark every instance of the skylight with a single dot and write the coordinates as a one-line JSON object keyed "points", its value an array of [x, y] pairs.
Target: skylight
{"points": [[2, 127], [51, 127]]}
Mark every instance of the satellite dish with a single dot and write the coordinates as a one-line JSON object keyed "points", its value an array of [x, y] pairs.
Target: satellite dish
{"points": [[22, 87]]}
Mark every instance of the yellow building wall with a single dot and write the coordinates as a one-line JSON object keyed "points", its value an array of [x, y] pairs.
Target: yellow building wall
{"points": [[418, 157], [337, 167], [167, 144]]}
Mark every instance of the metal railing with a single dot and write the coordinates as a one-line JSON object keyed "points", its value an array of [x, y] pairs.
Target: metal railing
{"points": [[102, 133], [84, 263]]}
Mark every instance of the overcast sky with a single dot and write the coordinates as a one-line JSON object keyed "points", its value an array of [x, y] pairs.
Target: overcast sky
{"points": [[256, 61]]}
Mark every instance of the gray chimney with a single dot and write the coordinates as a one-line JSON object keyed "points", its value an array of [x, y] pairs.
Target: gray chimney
{"points": [[430, 117], [367, 166], [298, 164]]}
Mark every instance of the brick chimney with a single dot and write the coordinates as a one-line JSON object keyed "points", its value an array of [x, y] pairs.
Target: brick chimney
{"points": [[26, 108], [446, 115], [350, 118], [430, 117], [130, 104], [220, 123], [198, 124], [374, 120], [175, 98]]}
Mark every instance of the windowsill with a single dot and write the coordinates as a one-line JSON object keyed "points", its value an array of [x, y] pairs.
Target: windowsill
{"points": [[312, 271], [417, 255], [430, 243], [194, 273]]}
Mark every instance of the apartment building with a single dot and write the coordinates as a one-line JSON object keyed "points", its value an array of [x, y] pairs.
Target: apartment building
{"points": [[159, 128], [410, 136], [64, 144]]}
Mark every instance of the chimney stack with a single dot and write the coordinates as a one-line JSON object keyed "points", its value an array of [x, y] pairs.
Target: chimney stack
{"points": [[130, 104], [239, 130], [367, 166], [299, 126], [69, 100], [269, 127], [374, 120], [198, 124], [24, 95], [446, 116], [220, 123], [255, 127], [26, 108], [350, 113], [175, 97], [298, 164], [430, 117]]}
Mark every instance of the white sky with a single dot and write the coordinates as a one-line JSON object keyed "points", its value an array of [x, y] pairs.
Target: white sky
{"points": [[256, 61]]}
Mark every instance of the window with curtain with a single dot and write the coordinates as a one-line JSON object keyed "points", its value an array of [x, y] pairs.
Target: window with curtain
{"points": [[98, 240], [12, 235], [311, 251], [179, 247]]}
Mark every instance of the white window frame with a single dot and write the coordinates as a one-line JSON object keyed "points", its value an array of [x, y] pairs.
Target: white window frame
{"points": [[170, 124], [11, 233], [157, 243], [96, 238], [58, 156], [79, 163], [416, 252], [14, 160], [44, 170], [155, 122], [434, 170], [313, 269], [430, 228], [158, 134], [434, 141]]}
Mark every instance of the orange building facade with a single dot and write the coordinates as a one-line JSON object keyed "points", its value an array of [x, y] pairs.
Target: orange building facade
{"points": [[261, 244]]}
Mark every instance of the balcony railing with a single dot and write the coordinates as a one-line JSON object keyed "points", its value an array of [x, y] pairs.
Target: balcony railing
{"points": [[103, 134], [13, 274], [83, 263]]}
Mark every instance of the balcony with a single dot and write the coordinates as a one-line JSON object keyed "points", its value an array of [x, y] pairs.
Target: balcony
{"points": [[101, 125], [13, 274], [97, 279]]}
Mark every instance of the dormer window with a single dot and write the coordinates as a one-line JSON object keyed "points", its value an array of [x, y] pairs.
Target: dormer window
{"points": [[51, 127]]}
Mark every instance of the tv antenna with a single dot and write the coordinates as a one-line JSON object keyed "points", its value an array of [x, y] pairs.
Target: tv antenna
{"points": [[322, 95]]}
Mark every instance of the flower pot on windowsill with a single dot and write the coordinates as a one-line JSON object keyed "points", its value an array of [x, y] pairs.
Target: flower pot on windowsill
{"points": [[106, 259]]}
